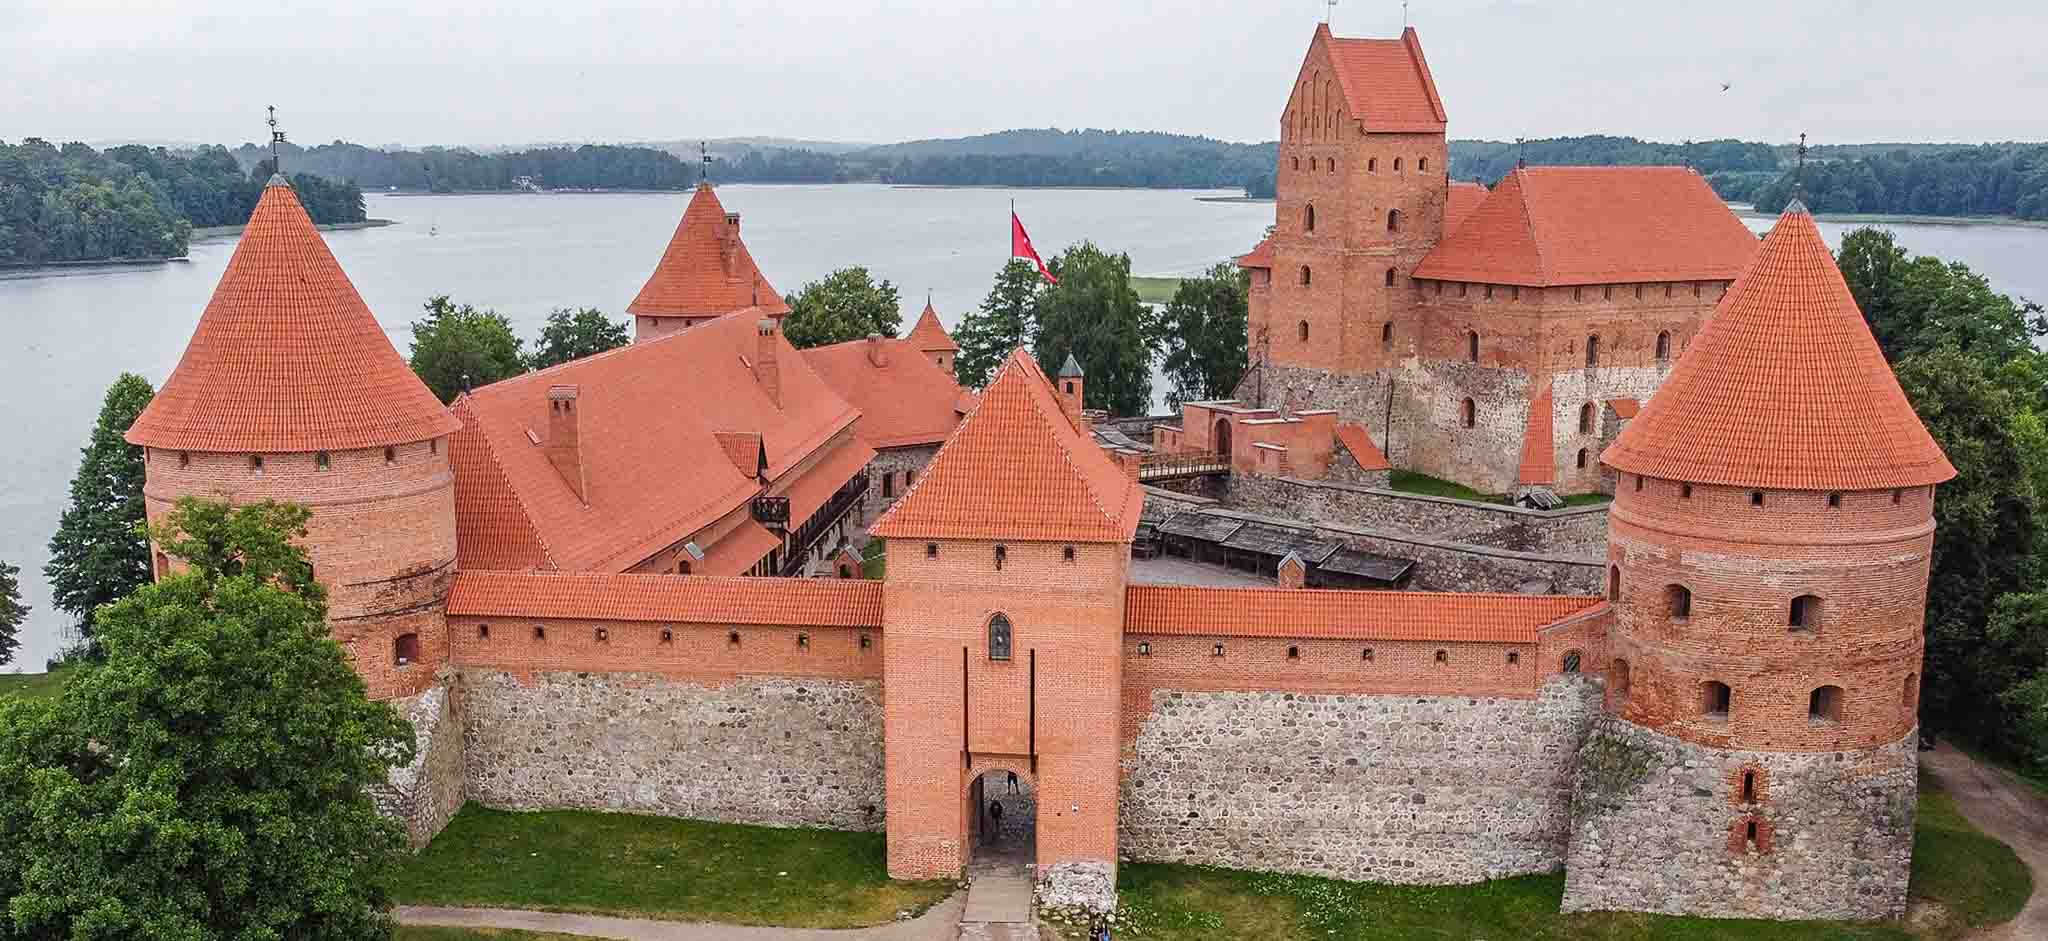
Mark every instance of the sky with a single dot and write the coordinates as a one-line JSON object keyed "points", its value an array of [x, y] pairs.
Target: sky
{"points": [[508, 72]]}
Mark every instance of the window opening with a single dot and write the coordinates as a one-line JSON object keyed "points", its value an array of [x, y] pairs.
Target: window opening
{"points": [[999, 638]]}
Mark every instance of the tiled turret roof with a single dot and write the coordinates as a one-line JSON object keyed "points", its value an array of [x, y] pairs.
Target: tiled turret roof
{"points": [[695, 278], [286, 357], [929, 335], [1784, 387]]}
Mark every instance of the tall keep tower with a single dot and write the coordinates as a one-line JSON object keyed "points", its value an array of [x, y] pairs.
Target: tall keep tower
{"points": [[290, 391], [1769, 552]]}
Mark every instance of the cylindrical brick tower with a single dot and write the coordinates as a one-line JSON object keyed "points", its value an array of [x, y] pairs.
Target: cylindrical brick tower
{"points": [[1768, 555], [290, 391]]}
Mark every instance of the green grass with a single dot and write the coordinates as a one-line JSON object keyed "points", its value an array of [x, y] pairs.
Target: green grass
{"points": [[1412, 482], [1969, 872], [659, 867], [31, 685], [874, 559], [1155, 290]]}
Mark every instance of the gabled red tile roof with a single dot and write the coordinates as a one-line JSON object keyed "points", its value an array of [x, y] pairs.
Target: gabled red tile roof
{"points": [[286, 357], [736, 552], [694, 279], [1783, 388], [1360, 615], [1261, 255], [1624, 408], [493, 530], [1017, 469], [1386, 82], [821, 602], [1358, 441], [1459, 203], [1539, 448], [1546, 226], [903, 402], [929, 335], [649, 415]]}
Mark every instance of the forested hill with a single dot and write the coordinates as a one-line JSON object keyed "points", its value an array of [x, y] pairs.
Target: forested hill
{"points": [[74, 203], [1991, 180], [1488, 161]]}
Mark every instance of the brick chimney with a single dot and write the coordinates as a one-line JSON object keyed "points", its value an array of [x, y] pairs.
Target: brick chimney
{"points": [[729, 242], [563, 447], [766, 370], [878, 353]]}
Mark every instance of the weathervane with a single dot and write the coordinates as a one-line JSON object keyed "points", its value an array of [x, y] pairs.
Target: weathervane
{"points": [[1404, 14], [276, 138], [1799, 170], [704, 154], [1330, 15]]}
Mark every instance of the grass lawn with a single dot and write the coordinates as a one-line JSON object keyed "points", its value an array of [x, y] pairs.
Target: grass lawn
{"points": [[1155, 290], [658, 867], [873, 558], [1412, 482], [31, 685], [1969, 872]]}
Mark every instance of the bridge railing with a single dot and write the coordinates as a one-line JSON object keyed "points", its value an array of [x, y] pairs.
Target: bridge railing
{"points": [[1155, 466]]}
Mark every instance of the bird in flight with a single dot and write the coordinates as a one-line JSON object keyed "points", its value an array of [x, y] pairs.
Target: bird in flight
{"points": [[1727, 85]]}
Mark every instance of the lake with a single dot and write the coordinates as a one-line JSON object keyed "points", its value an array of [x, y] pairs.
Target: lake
{"points": [[76, 329]]}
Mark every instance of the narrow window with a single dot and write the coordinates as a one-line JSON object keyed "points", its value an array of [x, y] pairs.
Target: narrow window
{"points": [[1372, 164], [999, 638], [1297, 163], [866, 642], [1749, 834], [1695, 289], [1067, 553], [1715, 700], [1514, 292], [1570, 664], [1663, 346], [1305, 276], [1302, 329], [1308, 220], [483, 632], [390, 455], [1514, 657], [1909, 695], [1489, 292], [603, 636], [1464, 288], [1582, 458], [1684, 491], [1804, 614], [1393, 220], [1834, 501], [1639, 483], [185, 460], [1607, 292], [888, 486], [1468, 414], [1217, 651], [1422, 164], [682, 566], [1678, 602], [1578, 294], [1639, 292], [1397, 164], [1366, 655], [1592, 352], [1293, 652], [732, 638], [1586, 419], [256, 464], [406, 650], [1387, 340], [1667, 289], [1443, 656], [1756, 498], [931, 550], [1825, 705], [1439, 288], [803, 641], [1390, 277], [668, 635], [1472, 346], [1002, 555], [539, 632], [1614, 583], [433, 445], [1749, 789], [1617, 679], [1897, 495], [320, 460]]}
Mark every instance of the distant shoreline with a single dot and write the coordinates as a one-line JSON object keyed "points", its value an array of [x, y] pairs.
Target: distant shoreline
{"points": [[215, 232], [1881, 218], [15, 272]]}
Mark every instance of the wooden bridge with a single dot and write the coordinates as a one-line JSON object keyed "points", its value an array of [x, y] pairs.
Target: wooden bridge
{"points": [[1157, 467]]}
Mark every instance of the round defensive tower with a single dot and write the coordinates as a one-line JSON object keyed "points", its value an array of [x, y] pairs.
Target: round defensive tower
{"points": [[290, 391], [1768, 555]]}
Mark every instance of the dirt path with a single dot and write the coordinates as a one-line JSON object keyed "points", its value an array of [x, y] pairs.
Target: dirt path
{"points": [[940, 924], [2011, 811]]}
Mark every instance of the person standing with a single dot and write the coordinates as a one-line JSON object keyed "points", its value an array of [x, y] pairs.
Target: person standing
{"points": [[995, 813]]}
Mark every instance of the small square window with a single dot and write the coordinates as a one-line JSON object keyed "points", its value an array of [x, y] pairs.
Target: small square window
{"points": [[1684, 491], [668, 635], [1068, 553], [1756, 498], [1443, 656], [733, 638], [803, 641], [604, 636], [483, 632], [539, 632], [931, 550], [1218, 649], [866, 642], [1367, 655], [1144, 648], [1293, 652], [1834, 501], [1514, 657]]}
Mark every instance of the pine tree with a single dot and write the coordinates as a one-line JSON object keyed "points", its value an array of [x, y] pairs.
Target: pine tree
{"points": [[12, 612], [99, 554], [1006, 320]]}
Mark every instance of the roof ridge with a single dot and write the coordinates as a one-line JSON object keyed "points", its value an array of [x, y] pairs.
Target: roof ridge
{"points": [[1378, 593], [1067, 456], [1529, 223], [461, 409], [951, 439]]}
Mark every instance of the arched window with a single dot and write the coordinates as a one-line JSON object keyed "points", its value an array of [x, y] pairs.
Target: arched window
{"points": [[1471, 345], [1468, 413], [1570, 663], [390, 455], [1393, 220], [1592, 351], [1582, 459], [1804, 614], [1825, 705], [1614, 583], [1586, 419], [1390, 277], [1372, 164], [1397, 164], [1422, 164], [1663, 346], [1387, 336], [999, 638], [1749, 788], [1305, 276], [321, 461], [1716, 699], [1308, 218], [406, 649], [1297, 163], [1678, 602], [1330, 165], [1303, 327], [1617, 680]]}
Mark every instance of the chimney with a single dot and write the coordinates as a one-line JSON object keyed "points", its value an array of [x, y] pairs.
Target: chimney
{"points": [[563, 449], [878, 354], [766, 370], [729, 242], [1071, 387]]}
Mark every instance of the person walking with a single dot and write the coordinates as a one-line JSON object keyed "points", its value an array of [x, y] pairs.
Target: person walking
{"points": [[995, 814]]}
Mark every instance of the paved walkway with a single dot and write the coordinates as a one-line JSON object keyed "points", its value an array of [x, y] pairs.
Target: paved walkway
{"points": [[2010, 810], [999, 903], [939, 924]]}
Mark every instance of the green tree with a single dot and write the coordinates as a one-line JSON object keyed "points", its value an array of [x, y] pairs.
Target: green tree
{"points": [[1006, 320], [846, 305], [99, 554], [1094, 314], [12, 613], [1201, 334], [574, 334], [457, 347], [213, 776]]}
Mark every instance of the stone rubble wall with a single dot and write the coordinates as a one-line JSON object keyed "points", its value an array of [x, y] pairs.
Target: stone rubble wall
{"points": [[424, 795], [892, 463], [1579, 531], [1381, 788], [1659, 826], [772, 751]]}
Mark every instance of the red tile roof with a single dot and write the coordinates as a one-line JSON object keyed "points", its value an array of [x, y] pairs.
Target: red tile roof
{"points": [[821, 602], [1360, 615], [929, 335], [1783, 388], [1545, 226], [1261, 255], [694, 277], [736, 552], [903, 402], [649, 416], [1358, 441], [1459, 203], [493, 530], [1539, 448], [1624, 408], [286, 357], [1386, 82], [1017, 469]]}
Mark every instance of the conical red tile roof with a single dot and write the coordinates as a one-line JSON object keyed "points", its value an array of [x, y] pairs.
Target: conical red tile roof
{"points": [[694, 279], [929, 336], [287, 357], [1784, 388], [1016, 468]]}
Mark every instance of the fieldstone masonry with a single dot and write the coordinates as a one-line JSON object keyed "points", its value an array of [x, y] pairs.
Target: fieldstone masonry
{"points": [[762, 750], [425, 794], [1660, 826], [1402, 789]]}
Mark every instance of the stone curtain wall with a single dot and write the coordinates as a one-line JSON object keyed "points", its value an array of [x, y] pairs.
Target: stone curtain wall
{"points": [[1661, 826], [1384, 788], [891, 465], [1579, 531], [426, 793], [774, 751]]}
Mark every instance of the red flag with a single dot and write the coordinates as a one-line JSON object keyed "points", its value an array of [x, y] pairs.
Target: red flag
{"points": [[1020, 247]]}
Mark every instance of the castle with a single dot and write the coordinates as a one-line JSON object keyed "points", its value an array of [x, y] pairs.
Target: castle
{"points": [[546, 576]]}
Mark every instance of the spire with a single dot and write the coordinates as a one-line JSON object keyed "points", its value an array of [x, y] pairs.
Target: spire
{"points": [[706, 270], [276, 140], [286, 357], [1071, 369], [928, 335], [1783, 388], [1798, 203]]}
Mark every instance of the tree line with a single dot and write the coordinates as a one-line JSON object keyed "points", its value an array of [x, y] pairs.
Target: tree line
{"points": [[1991, 180], [74, 203]]}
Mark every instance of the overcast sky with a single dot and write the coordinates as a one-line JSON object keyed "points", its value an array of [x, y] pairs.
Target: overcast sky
{"points": [[518, 71]]}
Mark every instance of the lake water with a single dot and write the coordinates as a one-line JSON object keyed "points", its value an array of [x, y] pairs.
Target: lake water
{"points": [[75, 330]]}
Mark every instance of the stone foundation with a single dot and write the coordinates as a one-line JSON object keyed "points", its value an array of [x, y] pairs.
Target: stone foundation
{"points": [[760, 750], [426, 793], [1379, 788], [1081, 888], [1660, 826]]}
